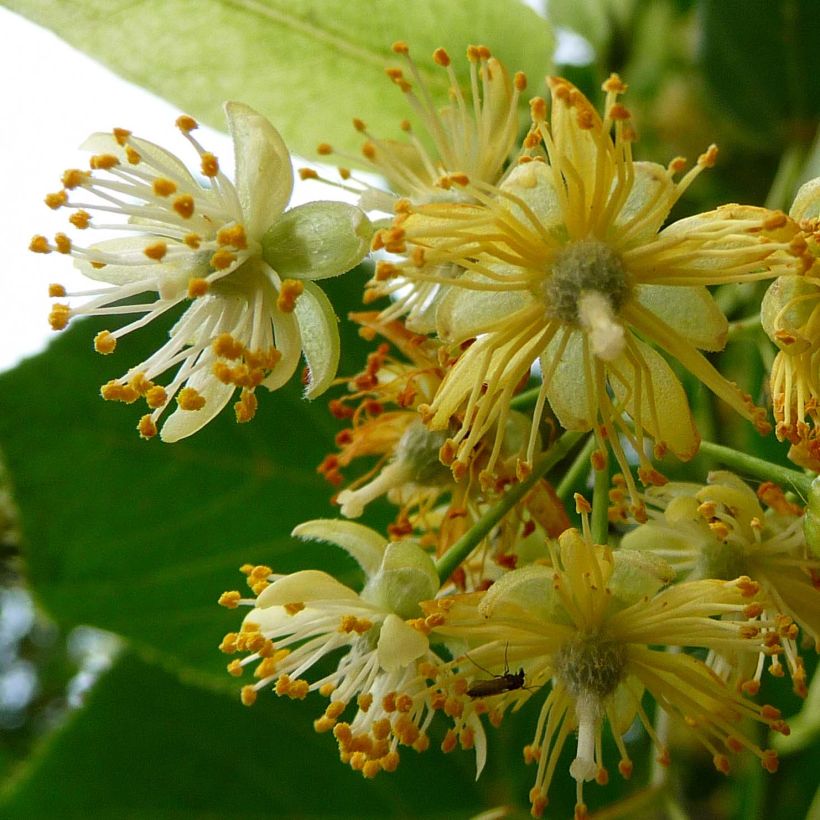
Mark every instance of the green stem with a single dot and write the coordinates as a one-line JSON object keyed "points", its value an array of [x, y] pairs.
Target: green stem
{"points": [[470, 540], [600, 507], [787, 176], [526, 398], [759, 468], [572, 476]]}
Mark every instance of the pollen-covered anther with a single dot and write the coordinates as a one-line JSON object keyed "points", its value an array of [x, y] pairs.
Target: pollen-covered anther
{"points": [[39, 244], [197, 287], [209, 164], [245, 409], [105, 342], [769, 761], [288, 294], [748, 588], [73, 177], [248, 695], [709, 157], [230, 599], [103, 162], [189, 398], [350, 623], [307, 173], [58, 316], [184, 206], [147, 427], [156, 251], [56, 200], [233, 235], [222, 259], [164, 187]]}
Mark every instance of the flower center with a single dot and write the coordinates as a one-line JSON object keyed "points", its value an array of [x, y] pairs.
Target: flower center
{"points": [[589, 667], [584, 267]]}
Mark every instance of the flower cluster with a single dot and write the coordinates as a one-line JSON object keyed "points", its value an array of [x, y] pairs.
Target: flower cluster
{"points": [[539, 316]]}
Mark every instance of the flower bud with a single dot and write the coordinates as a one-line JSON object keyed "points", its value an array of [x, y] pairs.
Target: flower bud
{"points": [[317, 240], [407, 575]]}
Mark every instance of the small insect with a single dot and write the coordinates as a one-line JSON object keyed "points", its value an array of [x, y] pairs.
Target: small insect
{"points": [[506, 682]]}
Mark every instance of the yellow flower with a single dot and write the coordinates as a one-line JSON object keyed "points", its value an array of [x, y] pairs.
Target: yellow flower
{"points": [[720, 530], [592, 625], [791, 317], [567, 266], [245, 264], [297, 620], [473, 135]]}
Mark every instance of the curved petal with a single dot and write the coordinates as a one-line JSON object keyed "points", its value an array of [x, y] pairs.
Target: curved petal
{"points": [[533, 183], [305, 586], [568, 391], [661, 406], [652, 186], [692, 311], [399, 644], [289, 343], [366, 546], [807, 202], [319, 331], [264, 174]]}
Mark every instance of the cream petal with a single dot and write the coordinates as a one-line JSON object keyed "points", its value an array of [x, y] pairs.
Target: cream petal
{"points": [[319, 332], [305, 586], [671, 423], [183, 423], [533, 183], [288, 342], [569, 390], [464, 313], [366, 546], [807, 202], [649, 198], [692, 311], [264, 174], [399, 644]]}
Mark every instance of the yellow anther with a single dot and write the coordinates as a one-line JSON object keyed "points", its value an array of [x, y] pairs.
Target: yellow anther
{"points": [[193, 240], [291, 289], [234, 236], [197, 287], [520, 80], [538, 109], [709, 157], [441, 57], [581, 504], [230, 599], [245, 408], [73, 178], [228, 347], [156, 397], [222, 259], [184, 206], [56, 200], [56, 290], [147, 427], [614, 85], [80, 219], [228, 645], [59, 316], [209, 164], [132, 155], [324, 149], [121, 135], [293, 607], [186, 123], [62, 243], [248, 695], [104, 342], [39, 244], [164, 187], [265, 669], [400, 47], [190, 399], [308, 173], [369, 150], [156, 251], [103, 162], [235, 668]]}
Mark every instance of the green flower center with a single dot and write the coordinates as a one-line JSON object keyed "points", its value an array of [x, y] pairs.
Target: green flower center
{"points": [[582, 267], [588, 666]]}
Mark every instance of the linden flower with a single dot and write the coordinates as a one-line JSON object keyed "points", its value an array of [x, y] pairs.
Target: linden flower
{"points": [[245, 264], [720, 530], [474, 135], [589, 624], [299, 619], [566, 267], [791, 317], [385, 423]]}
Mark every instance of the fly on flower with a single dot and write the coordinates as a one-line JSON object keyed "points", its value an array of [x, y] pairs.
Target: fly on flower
{"points": [[243, 264]]}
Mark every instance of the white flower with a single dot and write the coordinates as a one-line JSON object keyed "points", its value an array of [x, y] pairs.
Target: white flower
{"points": [[245, 263]]}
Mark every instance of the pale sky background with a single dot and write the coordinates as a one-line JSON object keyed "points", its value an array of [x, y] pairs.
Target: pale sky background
{"points": [[52, 98]]}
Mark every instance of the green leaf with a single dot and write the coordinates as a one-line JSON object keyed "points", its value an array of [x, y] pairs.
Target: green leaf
{"points": [[140, 537], [145, 745], [762, 62], [308, 65]]}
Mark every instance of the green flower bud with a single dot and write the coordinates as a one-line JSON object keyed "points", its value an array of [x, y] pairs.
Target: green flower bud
{"points": [[529, 589], [406, 577], [317, 240], [638, 574]]}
